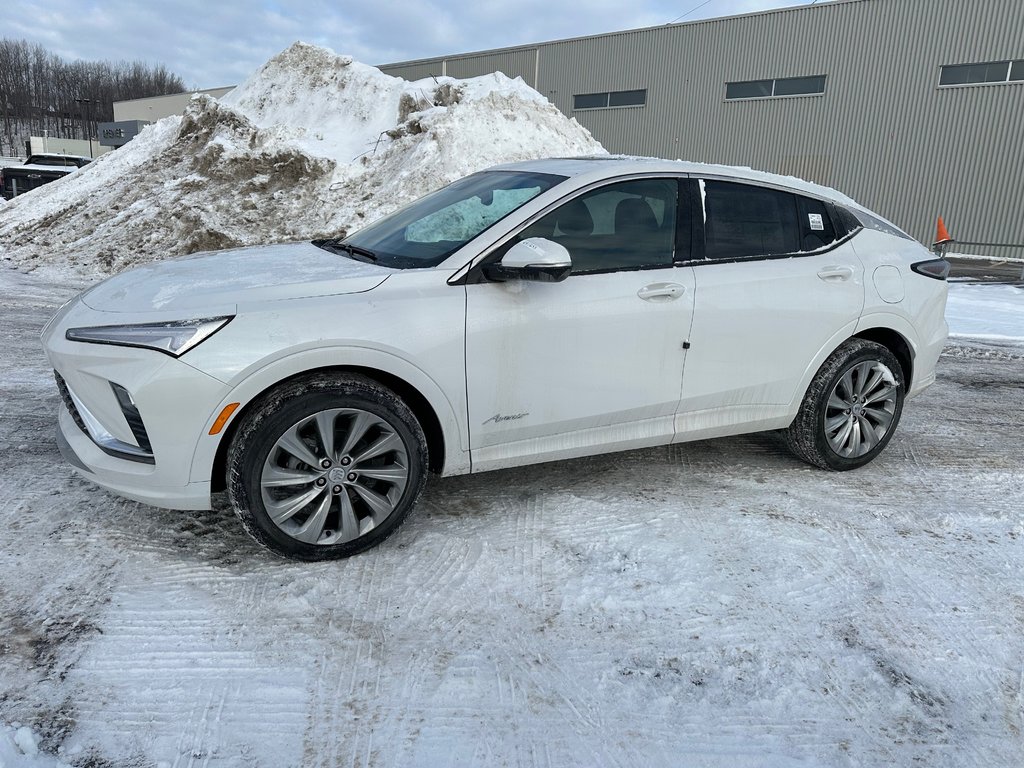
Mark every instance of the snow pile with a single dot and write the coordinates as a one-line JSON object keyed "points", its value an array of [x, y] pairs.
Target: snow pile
{"points": [[312, 145]]}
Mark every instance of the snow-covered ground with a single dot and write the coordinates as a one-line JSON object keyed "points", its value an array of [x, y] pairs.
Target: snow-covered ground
{"points": [[994, 313], [710, 604]]}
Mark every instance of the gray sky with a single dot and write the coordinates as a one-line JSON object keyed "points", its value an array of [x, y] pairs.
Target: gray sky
{"points": [[212, 43]]}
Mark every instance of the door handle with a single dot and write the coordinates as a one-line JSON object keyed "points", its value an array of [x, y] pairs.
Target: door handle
{"points": [[661, 291], [835, 274]]}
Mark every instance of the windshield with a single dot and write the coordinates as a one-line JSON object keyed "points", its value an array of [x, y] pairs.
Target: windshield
{"points": [[426, 232]]}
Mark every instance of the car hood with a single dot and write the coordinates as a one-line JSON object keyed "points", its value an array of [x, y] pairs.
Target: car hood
{"points": [[222, 280]]}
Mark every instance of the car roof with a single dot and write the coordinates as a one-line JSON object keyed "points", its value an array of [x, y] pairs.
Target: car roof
{"points": [[60, 154], [609, 166]]}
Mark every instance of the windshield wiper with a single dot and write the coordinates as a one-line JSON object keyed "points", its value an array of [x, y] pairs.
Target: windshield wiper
{"points": [[354, 251]]}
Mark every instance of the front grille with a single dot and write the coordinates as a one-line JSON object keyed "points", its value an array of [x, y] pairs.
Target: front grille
{"points": [[65, 395]]}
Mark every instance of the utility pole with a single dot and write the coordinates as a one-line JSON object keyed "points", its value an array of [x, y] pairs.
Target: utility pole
{"points": [[87, 127]]}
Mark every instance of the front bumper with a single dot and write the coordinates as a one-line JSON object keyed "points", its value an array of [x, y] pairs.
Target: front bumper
{"points": [[131, 480], [139, 416]]}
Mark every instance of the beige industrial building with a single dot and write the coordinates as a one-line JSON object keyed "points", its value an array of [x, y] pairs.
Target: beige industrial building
{"points": [[155, 107]]}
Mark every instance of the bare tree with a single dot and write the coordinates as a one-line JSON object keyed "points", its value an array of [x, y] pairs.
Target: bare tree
{"points": [[42, 94]]}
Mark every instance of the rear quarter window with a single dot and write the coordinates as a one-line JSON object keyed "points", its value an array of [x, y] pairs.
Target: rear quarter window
{"points": [[816, 228]]}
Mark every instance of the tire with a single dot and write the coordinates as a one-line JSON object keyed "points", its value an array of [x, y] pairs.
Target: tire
{"points": [[326, 466], [851, 409]]}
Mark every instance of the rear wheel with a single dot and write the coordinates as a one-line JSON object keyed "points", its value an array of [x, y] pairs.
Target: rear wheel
{"points": [[326, 466], [851, 409]]}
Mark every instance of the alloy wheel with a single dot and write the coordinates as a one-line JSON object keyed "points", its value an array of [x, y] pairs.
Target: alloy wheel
{"points": [[860, 409], [334, 476]]}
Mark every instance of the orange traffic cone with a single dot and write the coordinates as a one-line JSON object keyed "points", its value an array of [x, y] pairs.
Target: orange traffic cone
{"points": [[942, 238]]}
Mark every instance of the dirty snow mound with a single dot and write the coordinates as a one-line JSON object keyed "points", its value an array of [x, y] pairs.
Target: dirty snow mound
{"points": [[312, 145], [329, 105]]}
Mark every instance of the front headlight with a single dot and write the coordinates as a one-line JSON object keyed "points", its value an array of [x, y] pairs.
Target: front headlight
{"points": [[174, 339]]}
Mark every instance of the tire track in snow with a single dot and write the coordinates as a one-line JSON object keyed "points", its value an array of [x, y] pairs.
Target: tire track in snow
{"points": [[167, 648], [349, 668]]}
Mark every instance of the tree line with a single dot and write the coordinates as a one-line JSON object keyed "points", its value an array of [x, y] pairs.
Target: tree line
{"points": [[42, 94]]}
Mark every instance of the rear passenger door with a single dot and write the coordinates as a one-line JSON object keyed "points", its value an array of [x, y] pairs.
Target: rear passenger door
{"points": [[776, 284]]}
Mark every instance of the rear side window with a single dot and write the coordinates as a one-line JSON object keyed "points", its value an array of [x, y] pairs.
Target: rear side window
{"points": [[742, 220]]}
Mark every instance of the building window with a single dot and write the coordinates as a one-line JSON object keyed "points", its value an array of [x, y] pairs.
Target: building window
{"points": [[627, 98], [987, 72], [637, 98], [780, 86]]}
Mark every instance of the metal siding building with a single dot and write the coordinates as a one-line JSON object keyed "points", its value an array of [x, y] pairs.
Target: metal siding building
{"points": [[883, 131], [153, 108]]}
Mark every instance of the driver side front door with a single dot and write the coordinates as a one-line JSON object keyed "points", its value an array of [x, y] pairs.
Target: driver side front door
{"points": [[594, 363]]}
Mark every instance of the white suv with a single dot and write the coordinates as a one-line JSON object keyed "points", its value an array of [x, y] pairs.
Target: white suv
{"points": [[530, 312]]}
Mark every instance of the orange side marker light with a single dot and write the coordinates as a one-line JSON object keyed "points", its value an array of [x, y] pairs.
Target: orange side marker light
{"points": [[218, 425]]}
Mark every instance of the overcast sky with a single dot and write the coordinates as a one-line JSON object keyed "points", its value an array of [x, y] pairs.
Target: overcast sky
{"points": [[213, 43]]}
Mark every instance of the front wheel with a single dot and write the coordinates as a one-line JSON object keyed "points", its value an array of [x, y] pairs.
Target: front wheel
{"points": [[326, 466], [851, 409]]}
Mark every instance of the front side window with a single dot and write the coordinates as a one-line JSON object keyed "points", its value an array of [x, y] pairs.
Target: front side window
{"points": [[628, 225], [426, 232]]}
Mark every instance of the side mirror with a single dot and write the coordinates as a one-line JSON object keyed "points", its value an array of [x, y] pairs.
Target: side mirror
{"points": [[533, 259]]}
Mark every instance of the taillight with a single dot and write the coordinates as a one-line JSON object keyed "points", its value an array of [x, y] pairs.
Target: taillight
{"points": [[935, 268]]}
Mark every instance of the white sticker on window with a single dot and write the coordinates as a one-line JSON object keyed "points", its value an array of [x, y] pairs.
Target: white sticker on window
{"points": [[816, 223]]}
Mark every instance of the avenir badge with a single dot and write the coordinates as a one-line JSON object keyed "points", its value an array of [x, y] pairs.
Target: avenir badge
{"points": [[498, 418]]}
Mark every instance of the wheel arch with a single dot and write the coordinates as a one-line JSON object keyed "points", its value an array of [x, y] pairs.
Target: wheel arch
{"points": [[442, 446], [896, 343], [891, 331]]}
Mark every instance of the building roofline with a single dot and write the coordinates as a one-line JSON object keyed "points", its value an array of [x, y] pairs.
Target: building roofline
{"points": [[181, 93], [713, 20]]}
